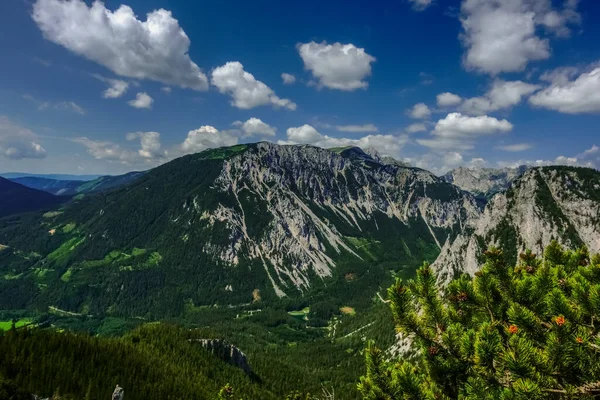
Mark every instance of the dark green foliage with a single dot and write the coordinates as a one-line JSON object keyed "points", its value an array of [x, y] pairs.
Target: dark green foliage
{"points": [[524, 332], [152, 362]]}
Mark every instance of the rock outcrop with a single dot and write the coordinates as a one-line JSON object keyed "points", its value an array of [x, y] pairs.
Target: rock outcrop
{"points": [[226, 352]]}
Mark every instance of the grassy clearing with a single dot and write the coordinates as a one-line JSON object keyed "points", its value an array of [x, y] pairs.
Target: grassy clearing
{"points": [[52, 214], [348, 310], [301, 314], [6, 325], [69, 227]]}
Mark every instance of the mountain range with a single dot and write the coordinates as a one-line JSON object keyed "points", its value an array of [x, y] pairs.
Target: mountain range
{"points": [[71, 187], [267, 222], [283, 251]]}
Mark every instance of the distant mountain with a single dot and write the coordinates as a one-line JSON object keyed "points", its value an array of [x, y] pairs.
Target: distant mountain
{"points": [[59, 177], [52, 186], [235, 225], [69, 187], [545, 204], [15, 198], [484, 182]]}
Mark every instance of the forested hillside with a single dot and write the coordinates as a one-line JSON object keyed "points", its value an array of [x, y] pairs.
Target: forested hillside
{"points": [[15, 198]]}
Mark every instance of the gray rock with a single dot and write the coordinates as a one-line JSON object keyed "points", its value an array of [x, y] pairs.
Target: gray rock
{"points": [[119, 393]]}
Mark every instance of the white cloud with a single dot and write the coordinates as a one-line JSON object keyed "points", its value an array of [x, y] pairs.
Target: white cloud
{"points": [[501, 35], [456, 126], [502, 94], [386, 145], [116, 89], [17, 142], [150, 144], [60, 105], [337, 66], [245, 90], [416, 127], [156, 49], [459, 132], [514, 148], [419, 111], [288, 79], [207, 137], [255, 127], [304, 134], [150, 151], [357, 128], [420, 5], [578, 96], [166, 89], [142, 100], [105, 150], [448, 99], [589, 158]]}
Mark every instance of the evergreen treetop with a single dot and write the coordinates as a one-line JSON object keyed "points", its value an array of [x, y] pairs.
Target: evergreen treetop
{"points": [[523, 332]]}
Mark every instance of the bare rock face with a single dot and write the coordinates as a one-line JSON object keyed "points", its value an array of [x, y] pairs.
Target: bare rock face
{"points": [[119, 393], [295, 188], [484, 182], [226, 352], [545, 204]]}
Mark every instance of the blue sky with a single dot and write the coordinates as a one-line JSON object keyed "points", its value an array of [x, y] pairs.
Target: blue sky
{"points": [[112, 87]]}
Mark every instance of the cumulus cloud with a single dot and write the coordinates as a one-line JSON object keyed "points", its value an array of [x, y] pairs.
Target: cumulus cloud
{"points": [[386, 145], [17, 142], [288, 79], [105, 150], [142, 100], [448, 99], [457, 131], [578, 96], [337, 66], [116, 87], [501, 35], [514, 148], [255, 127], [420, 5], [207, 137], [150, 151], [419, 111], [357, 128], [150, 144], [245, 90], [416, 127], [166, 89], [502, 94], [155, 49]]}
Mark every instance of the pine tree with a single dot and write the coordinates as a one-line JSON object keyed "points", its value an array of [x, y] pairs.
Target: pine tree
{"points": [[524, 332]]}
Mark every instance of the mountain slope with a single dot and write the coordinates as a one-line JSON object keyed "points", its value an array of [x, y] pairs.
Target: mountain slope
{"points": [[53, 186], [235, 225], [484, 182], [15, 198], [74, 187], [545, 204]]}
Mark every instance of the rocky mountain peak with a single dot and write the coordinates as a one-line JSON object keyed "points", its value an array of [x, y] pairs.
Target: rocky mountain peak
{"points": [[544, 204]]}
